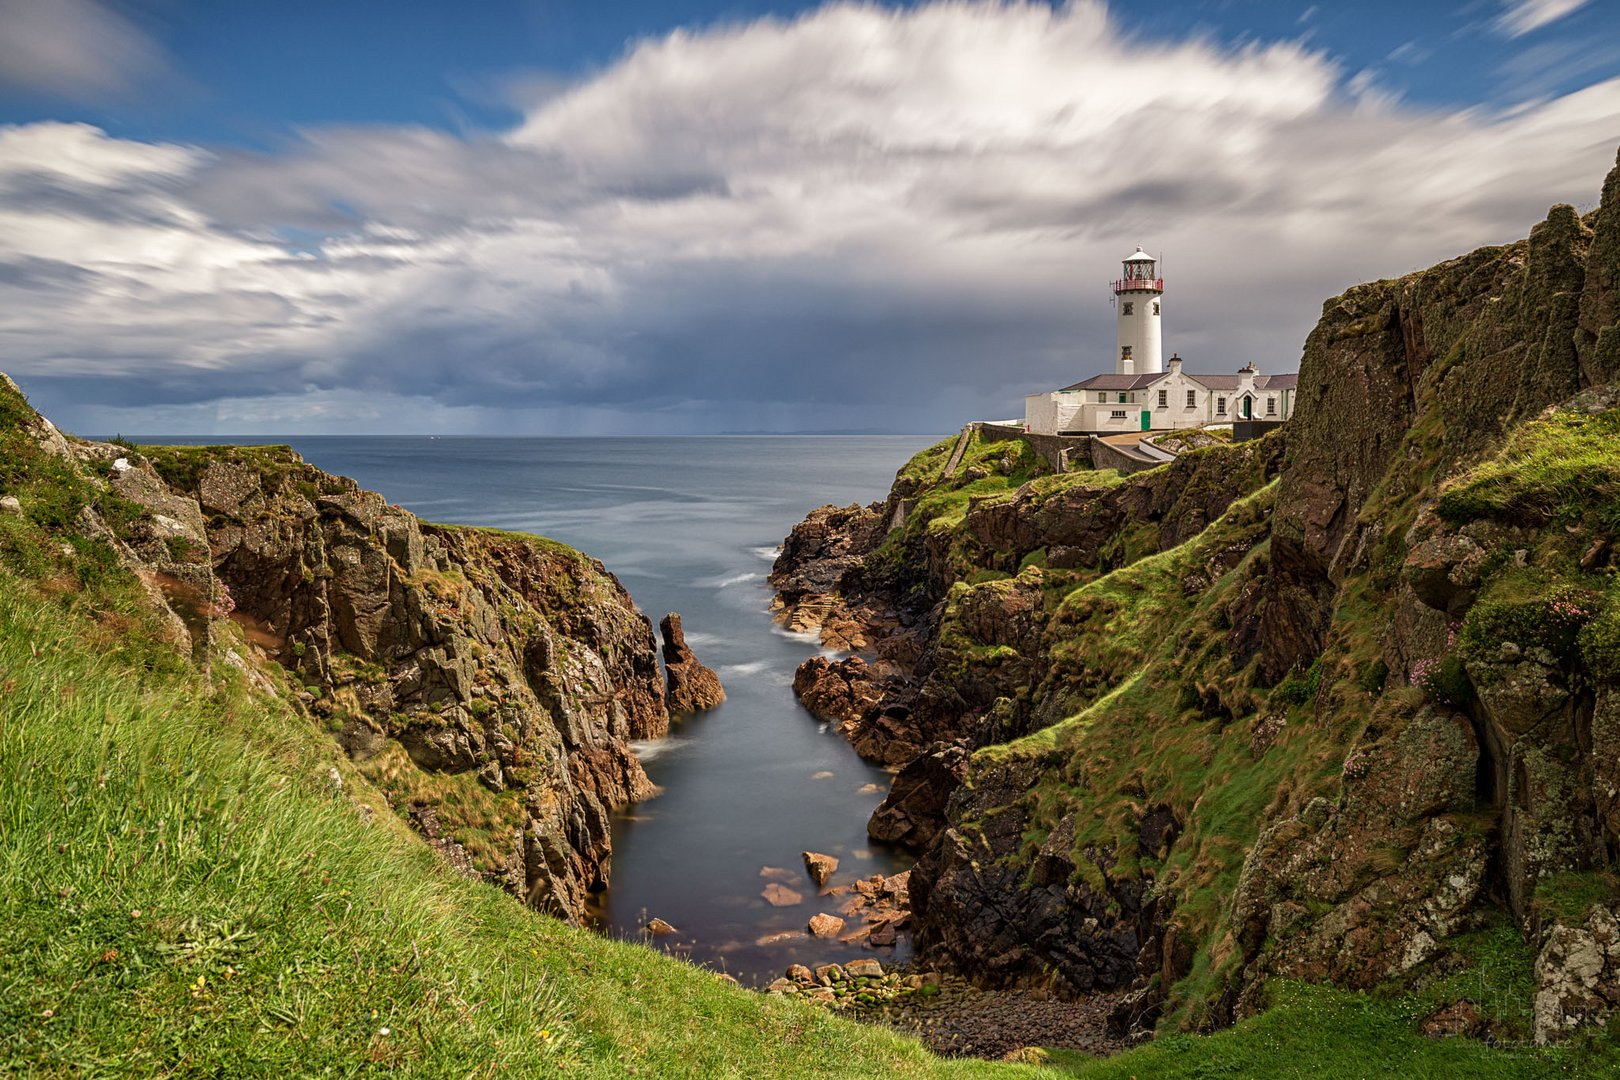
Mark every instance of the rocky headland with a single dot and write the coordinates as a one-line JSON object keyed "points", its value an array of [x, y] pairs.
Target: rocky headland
{"points": [[488, 683], [1337, 705]]}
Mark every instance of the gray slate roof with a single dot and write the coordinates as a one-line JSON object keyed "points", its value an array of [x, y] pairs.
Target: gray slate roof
{"points": [[1110, 381]]}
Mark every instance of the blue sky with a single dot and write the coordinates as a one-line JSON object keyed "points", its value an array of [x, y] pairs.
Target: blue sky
{"points": [[246, 72], [535, 215]]}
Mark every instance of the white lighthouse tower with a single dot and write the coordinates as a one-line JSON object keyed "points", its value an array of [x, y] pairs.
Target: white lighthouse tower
{"points": [[1137, 339]]}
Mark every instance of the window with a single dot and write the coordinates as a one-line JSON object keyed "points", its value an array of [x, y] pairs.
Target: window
{"points": [[1117, 414], [1271, 406], [1220, 406], [1155, 307], [1192, 398], [1122, 399], [1164, 399], [1130, 308], [1101, 397]]}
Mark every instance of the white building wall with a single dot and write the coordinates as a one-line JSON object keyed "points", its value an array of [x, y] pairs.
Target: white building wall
{"points": [[1176, 413], [1095, 410], [1049, 414], [1137, 326]]}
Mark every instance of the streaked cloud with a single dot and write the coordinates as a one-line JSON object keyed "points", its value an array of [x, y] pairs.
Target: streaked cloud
{"points": [[861, 218], [1520, 17]]}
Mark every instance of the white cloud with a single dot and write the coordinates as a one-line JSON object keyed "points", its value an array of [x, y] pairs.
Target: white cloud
{"points": [[859, 218], [79, 49], [1520, 17]]}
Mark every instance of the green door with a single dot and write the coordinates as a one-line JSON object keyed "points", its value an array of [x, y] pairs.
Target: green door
{"points": [[1147, 420]]}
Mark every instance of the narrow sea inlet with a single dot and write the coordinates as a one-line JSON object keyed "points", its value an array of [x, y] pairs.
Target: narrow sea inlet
{"points": [[689, 525]]}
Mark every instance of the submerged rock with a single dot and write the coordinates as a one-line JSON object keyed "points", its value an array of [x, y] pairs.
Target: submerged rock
{"points": [[778, 895], [690, 686]]}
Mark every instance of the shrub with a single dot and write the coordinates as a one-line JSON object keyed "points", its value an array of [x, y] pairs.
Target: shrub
{"points": [[1444, 680], [1551, 621]]}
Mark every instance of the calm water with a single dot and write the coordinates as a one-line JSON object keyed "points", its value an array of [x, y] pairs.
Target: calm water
{"points": [[689, 525]]}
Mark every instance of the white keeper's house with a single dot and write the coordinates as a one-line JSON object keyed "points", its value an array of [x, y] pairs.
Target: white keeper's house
{"points": [[1140, 394]]}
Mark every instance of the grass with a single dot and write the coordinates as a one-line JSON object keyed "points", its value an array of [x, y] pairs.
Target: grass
{"points": [[188, 892], [182, 467], [1326, 1034], [1560, 468]]}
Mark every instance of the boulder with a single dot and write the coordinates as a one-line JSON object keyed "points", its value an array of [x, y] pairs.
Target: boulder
{"points": [[913, 812], [841, 691], [690, 686], [1578, 976], [823, 925], [819, 866]]}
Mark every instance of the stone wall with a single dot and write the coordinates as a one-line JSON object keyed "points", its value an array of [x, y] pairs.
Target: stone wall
{"points": [[1061, 452], [1106, 456]]}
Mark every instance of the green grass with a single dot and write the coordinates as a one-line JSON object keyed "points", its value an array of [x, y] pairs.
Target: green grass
{"points": [[1324, 1034], [186, 892], [1560, 468]]}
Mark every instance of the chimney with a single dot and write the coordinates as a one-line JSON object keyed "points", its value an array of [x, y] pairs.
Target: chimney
{"points": [[1175, 363]]}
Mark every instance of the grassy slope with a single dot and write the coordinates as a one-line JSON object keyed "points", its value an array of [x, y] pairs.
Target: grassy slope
{"points": [[187, 891]]}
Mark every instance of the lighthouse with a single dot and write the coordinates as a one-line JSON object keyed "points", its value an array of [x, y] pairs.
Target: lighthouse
{"points": [[1137, 338]]}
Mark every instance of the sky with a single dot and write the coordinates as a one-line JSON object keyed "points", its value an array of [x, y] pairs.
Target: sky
{"points": [[564, 217]]}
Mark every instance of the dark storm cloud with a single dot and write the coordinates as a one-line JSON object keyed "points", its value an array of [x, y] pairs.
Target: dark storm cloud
{"points": [[859, 218]]}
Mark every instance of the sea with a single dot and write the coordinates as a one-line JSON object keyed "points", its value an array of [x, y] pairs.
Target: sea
{"points": [[690, 525]]}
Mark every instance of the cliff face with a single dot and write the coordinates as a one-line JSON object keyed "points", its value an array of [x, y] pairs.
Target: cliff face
{"points": [[1204, 729], [488, 682]]}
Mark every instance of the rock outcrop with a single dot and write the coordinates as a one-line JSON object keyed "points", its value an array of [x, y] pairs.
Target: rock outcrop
{"points": [[1310, 707], [490, 683], [689, 686]]}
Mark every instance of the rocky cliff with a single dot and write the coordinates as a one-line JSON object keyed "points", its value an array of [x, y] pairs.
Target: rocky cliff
{"points": [[489, 682], [1332, 706]]}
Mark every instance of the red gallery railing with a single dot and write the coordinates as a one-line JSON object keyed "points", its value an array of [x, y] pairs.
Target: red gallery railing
{"points": [[1139, 284]]}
